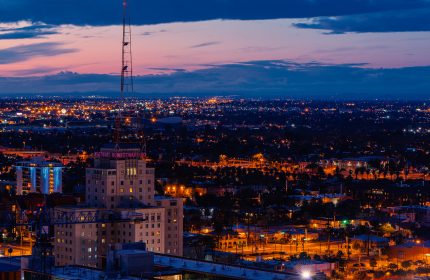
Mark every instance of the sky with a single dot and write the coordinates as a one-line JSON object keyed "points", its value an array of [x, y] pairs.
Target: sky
{"points": [[371, 48]]}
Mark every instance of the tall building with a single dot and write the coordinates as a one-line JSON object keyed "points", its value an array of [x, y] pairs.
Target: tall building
{"points": [[120, 181], [38, 176], [120, 178]]}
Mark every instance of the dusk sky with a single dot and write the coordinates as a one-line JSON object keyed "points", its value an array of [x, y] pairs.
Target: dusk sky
{"points": [[190, 42]]}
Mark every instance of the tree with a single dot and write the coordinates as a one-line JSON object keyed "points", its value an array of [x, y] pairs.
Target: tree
{"points": [[367, 173], [356, 246], [304, 256], [373, 263], [361, 275], [317, 257], [406, 264], [387, 228]]}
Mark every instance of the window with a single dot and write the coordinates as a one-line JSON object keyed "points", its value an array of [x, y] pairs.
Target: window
{"points": [[132, 171]]}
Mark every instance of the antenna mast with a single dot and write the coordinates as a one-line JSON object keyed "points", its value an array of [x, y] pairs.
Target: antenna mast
{"points": [[126, 71]]}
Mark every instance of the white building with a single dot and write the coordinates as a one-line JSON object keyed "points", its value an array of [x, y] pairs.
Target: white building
{"points": [[38, 176]]}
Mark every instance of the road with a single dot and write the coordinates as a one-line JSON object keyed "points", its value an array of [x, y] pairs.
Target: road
{"points": [[17, 250], [277, 250]]}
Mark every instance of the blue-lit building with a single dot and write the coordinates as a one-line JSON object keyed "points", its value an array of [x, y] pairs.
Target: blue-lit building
{"points": [[38, 176]]}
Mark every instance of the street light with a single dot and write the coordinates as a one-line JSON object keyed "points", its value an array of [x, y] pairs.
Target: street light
{"points": [[306, 274]]}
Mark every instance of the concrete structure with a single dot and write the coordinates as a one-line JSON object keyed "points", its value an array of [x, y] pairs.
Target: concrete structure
{"points": [[76, 243], [221, 270], [121, 182], [173, 224], [38, 176], [410, 251], [412, 213], [129, 259], [120, 178]]}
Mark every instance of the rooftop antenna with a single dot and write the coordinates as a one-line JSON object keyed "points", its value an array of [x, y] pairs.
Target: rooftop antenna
{"points": [[126, 72]]}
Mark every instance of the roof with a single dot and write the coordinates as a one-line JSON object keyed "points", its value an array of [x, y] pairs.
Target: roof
{"points": [[372, 238], [410, 244], [5, 267]]}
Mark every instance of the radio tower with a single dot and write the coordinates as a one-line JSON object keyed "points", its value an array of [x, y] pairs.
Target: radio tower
{"points": [[126, 75]]}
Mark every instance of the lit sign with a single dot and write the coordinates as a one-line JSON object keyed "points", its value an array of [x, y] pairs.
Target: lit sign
{"points": [[119, 155]]}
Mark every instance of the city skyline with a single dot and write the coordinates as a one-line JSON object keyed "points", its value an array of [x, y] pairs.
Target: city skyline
{"points": [[217, 139]]}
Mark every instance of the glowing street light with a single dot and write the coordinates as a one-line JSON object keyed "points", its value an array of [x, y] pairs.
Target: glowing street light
{"points": [[306, 274]]}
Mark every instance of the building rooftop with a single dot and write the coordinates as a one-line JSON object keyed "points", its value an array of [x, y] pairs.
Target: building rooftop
{"points": [[78, 272], [371, 238], [38, 162]]}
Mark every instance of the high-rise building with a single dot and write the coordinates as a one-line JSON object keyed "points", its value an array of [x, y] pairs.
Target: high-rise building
{"points": [[38, 176], [120, 178], [120, 181]]}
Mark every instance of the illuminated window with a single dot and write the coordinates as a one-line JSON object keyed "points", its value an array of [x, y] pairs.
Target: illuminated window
{"points": [[132, 171]]}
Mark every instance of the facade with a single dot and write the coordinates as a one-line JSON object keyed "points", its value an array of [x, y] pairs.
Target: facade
{"points": [[411, 213], [119, 178], [76, 243], [38, 176], [173, 224], [121, 182]]}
